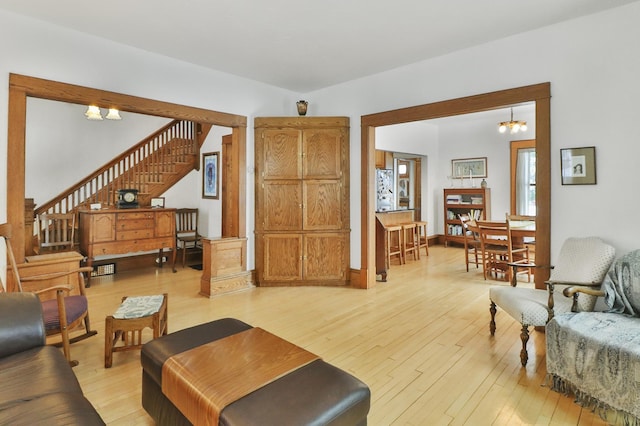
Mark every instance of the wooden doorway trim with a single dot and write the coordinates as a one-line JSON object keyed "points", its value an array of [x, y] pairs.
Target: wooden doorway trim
{"points": [[21, 87], [538, 93]]}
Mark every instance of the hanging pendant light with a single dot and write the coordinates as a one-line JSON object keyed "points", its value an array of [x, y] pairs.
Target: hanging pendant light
{"points": [[513, 126], [93, 113], [113, 114]]}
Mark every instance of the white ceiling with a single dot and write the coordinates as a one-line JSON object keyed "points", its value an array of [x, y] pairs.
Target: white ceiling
{"points": [[304, 45]]}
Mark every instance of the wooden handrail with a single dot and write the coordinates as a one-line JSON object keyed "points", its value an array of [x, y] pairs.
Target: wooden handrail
{"points": [[139, 167]]}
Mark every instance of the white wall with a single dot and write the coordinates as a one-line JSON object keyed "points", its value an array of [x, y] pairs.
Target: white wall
{"points": [[420, 138], [62, 144], [38, 49], [592, 64]]}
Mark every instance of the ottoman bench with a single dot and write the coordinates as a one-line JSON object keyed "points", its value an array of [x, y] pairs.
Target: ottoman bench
{"points": [[316, 393]]}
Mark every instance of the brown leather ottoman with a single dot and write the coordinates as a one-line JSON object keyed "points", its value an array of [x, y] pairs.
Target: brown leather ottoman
{"points": [[315, 394]]}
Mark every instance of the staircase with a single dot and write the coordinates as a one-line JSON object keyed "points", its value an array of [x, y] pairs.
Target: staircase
{"points": [[152, 166]]}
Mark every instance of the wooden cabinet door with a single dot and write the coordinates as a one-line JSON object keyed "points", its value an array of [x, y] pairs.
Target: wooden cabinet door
{"points": [[322, 153], [324, 256], [322, 205], [282, 257], [281, 205], [165, 223], [281, 153], [103, 228]]}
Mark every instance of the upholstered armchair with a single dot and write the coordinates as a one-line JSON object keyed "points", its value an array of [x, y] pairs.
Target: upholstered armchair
{"points": [[581, 262], [596, 355]]}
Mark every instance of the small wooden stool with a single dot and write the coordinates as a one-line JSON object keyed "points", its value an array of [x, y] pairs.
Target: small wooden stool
{"points": [[410, 239], [394, 232], [134, 315], [422, 237]]}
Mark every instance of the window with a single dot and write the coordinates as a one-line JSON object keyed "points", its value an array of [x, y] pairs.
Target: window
{"points": [[523, 177]]}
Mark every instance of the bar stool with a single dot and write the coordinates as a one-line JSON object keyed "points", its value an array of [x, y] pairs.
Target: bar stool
{"points": [[422, 237], [394, 232], [410, 240]]}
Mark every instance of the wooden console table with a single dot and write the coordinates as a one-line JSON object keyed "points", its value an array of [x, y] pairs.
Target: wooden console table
{"points": [[119, 231]]}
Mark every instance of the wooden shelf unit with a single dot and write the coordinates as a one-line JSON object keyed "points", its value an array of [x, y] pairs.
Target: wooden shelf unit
{"points": [[474, 202]]}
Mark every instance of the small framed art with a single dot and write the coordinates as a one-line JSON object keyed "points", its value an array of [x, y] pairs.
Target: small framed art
{"points": [[578, 165], [157, 202], [210, 165], [469, 168]]}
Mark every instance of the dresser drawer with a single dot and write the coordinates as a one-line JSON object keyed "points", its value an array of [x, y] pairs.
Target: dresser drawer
{"points": [[135, 234], [128, 225], [133, 215]]}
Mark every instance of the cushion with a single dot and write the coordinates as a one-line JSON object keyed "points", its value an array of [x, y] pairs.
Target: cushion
{"points": [[526, 305], [75, 307], [622, 285], [139, 306]]}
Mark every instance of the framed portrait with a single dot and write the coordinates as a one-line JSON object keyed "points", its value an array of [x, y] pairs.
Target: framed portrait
{"points": [[210, 173], [469, 168], [157, 202], [578, 165]]}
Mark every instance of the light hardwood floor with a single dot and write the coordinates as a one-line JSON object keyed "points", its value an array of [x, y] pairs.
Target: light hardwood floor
{"points": [[420, 341]]}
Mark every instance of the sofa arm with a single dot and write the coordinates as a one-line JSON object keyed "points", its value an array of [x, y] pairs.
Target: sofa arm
{"points": [[21, 323]]}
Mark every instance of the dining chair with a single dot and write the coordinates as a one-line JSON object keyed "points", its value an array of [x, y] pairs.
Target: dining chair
{"points": [[517, 220], [64, 304], [187, 235], [581, 262], [472, 244], [497, 249]]}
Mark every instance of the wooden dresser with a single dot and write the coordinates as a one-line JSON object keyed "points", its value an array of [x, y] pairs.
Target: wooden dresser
{"points": [[118, 231]]}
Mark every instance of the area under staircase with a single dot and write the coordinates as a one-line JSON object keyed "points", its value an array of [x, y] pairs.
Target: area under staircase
{"points": [[152, 166]]}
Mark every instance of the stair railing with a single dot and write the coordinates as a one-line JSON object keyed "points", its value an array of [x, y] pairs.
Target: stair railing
{"points": [[139, 167]]}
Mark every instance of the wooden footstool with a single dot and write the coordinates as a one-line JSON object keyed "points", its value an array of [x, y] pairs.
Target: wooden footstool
{"points": [[132, 316]]}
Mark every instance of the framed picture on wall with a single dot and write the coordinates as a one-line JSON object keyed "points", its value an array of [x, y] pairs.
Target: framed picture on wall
{"points": [[469, 168], [210, 169], [578, 165]]}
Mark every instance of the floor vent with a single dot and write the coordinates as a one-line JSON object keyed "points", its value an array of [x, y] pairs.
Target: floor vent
{"points": [[100, 270]]}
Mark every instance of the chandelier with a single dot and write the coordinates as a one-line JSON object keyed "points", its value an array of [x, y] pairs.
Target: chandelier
{"points": [[513, 126]]}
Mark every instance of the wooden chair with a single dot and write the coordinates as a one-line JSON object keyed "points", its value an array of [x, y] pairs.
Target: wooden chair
{"points": [[498, 252], [187, 235], [472, 244], [56, 232], [518, 264], [528, 241], [65, 307]]}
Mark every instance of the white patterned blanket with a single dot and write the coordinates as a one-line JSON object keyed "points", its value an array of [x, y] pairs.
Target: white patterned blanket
{"points": [[596, 355]]}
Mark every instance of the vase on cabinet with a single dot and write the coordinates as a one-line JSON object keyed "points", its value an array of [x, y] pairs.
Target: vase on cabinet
{"points": [[302, 107]]}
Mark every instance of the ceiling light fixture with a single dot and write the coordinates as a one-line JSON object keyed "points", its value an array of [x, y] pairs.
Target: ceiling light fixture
{"points": [[113, 114], [513, 126], [94, 113]]}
